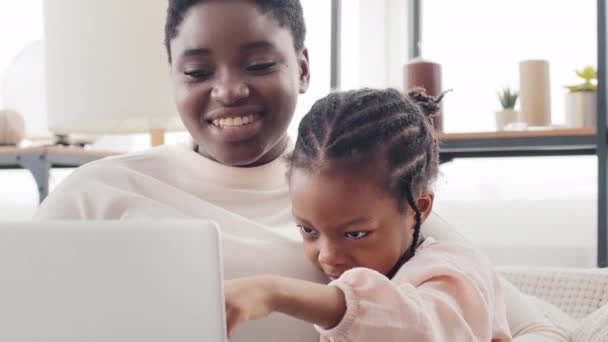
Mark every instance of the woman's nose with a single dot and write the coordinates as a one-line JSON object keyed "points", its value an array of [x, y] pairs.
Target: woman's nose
{"points": [[229, 89]]}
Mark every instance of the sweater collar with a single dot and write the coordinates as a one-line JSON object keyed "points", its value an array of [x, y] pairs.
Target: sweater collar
{"points": [[270, 176]]}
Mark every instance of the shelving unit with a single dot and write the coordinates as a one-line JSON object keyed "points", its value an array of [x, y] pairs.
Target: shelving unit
{"points": [[40, 160], [563, 142]]}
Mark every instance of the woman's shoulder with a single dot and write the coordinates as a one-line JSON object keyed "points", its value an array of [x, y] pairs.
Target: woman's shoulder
{"points": [[155, 162], [166, 154], [106, 183]]}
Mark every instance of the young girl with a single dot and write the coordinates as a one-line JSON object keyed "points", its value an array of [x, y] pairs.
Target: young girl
{"points": [[360, 178]]}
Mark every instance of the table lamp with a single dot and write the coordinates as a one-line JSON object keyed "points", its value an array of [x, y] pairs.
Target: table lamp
{"points": [[106, 68]]}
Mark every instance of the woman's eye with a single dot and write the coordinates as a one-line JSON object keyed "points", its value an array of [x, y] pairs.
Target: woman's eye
{"points": [[197, 74], [307, 231], [356, 235], [260, 67]]}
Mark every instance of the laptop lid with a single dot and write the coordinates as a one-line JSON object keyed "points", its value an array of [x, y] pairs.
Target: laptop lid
{"points": [[111, 281]]}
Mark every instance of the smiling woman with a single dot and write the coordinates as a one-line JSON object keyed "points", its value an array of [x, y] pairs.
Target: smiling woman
{"points": [[256, 70], [238, 68]]}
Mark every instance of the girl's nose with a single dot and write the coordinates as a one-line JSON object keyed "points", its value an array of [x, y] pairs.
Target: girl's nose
{"points": [[331, 255], [229, 90]]}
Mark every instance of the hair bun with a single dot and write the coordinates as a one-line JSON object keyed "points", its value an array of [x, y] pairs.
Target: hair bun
{"points": [[427, 103]]}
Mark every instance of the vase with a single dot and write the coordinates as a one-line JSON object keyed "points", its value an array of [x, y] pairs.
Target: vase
{"points": [[581, 109], [506, 117]]}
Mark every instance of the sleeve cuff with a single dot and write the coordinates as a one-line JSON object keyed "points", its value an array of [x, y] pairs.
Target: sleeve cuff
{"points": [[352, 307]]}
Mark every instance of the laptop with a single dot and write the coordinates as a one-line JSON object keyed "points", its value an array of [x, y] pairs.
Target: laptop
{"points": [[111, 282]]}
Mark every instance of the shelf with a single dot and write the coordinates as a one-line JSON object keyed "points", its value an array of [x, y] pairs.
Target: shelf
{"points": [[40, 160], [556, 142]]}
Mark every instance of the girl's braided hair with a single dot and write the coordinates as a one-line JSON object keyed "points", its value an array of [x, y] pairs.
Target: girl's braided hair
{"points": [[356, 126]]}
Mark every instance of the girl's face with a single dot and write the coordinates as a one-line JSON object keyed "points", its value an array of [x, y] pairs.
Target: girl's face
{"points": [[237, 77], [347, 220]]}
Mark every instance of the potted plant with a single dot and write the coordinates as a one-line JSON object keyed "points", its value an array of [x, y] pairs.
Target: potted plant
{"points": [[581, 100], [508, 114]]}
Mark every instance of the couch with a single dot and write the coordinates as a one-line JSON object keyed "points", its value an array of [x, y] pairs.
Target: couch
{"points": [[574, 299]]}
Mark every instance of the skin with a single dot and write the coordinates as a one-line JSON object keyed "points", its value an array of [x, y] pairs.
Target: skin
{"points": [[347, 219], [230, 60]]}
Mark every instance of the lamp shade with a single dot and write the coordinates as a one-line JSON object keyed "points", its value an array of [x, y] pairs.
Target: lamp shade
{"points": [[106, 67], [24, 90]]}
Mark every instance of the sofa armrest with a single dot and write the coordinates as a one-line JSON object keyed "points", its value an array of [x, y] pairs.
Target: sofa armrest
{"points": [[577, 292]]}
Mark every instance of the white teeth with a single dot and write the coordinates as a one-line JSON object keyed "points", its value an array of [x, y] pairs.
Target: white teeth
{"points": [[235, 122]]}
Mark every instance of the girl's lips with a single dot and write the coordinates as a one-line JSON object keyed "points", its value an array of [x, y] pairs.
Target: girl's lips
{"points": [[332, 276]]}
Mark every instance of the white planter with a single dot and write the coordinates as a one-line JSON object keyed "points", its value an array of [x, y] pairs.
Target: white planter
{"points": [[506, 117], [581, 109]]}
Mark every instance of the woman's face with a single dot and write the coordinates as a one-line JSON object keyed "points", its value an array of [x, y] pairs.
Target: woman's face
{"points": [[237, 77], [347, 220]]}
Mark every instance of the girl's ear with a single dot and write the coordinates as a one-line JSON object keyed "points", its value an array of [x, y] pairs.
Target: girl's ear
{"points": [[425, 203], [304, 67]]}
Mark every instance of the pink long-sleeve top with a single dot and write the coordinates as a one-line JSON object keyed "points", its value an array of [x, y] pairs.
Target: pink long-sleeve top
{"points": [[446, 292]]}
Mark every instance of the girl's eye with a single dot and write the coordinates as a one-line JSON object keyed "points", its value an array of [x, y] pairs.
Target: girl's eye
{"points": [[307, 231], [356, 235], [197, 74], [261, 67]]}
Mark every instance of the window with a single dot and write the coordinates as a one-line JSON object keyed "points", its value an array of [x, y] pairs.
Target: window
{"points": [[480, 43], [317, 15]]}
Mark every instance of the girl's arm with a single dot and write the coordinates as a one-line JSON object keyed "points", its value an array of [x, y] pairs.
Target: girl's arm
{"points": [[256, 297], [445, 293]]}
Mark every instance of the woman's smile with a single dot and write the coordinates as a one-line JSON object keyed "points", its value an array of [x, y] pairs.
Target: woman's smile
{"points": [[235, 124]]}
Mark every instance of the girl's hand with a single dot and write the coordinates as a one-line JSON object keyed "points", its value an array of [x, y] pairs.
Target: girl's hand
{"points": [[257, 297], [248, 299]]}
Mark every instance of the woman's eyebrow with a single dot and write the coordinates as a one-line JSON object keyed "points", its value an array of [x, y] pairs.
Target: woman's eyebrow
{"points": [[195, 52], [260, 44]]}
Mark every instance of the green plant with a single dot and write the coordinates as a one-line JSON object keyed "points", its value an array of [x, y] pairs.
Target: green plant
{"points": [[507, 98], [589, 76]]}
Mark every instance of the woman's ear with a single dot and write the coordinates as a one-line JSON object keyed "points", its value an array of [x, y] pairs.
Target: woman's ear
{"points": [[304, 66], [425, 204]]}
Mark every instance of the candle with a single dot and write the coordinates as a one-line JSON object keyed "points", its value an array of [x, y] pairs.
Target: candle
{"points": [[534, 92], [426, 74]]}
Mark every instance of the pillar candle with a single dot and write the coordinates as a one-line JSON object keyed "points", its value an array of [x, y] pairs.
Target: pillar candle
{"points": [[426, 74], [534, 92]]}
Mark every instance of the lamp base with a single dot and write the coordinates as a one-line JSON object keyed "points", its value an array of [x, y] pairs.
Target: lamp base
{"points": [[67, 140], [157, 136]]}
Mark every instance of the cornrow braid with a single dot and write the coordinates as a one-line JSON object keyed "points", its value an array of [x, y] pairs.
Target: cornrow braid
{"points": [[355, 126]]}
